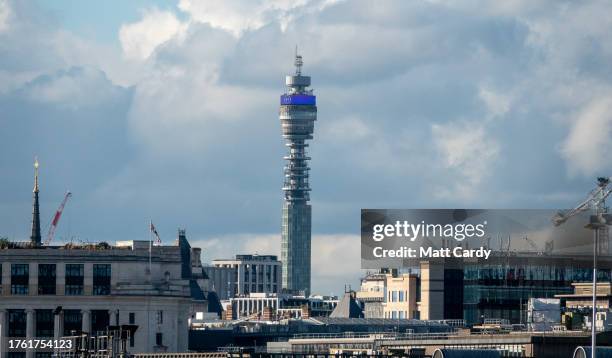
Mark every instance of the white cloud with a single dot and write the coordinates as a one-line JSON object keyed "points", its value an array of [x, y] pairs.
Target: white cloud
{"points": [[348, 129], [588, 146], [497, 103], [237, 16], [140, 39], [73, 88], [336, 257], [226, 246], [468, 150], [5, 13]]}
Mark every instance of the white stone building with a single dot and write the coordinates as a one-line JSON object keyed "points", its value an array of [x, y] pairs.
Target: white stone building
{"points": [[57, 291]]}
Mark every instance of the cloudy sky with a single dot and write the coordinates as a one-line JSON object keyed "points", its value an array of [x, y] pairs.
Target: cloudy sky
{"points": [[169, 111]]}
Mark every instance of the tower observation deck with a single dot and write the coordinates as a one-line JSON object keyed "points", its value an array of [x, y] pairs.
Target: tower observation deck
{"points": [[298, 111]]}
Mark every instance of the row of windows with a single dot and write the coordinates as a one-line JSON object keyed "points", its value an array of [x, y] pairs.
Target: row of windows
{"points": [[532, 273], [397, 314], [47, 273], [73, 321], [253, 273], [398, 296]]}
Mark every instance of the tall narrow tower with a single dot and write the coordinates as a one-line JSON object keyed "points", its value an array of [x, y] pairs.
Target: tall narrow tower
{"points": [[298, 111], [35, 238]]}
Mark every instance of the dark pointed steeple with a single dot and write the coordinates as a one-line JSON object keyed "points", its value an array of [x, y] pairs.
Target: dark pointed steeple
{"points": [[35, 238]]}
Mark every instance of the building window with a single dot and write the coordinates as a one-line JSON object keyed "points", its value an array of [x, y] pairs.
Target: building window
{"points": [[132, 318], [160, 317], [260, 273], [274, 274], [247, 273], [268, 273], [99, 321], [401, 296], [44, 323], [74, 279], [101, 279], [73, 322], [17, 323], [393, 296], [159, 339], [46, 279], [254, 274], [20, 277]]}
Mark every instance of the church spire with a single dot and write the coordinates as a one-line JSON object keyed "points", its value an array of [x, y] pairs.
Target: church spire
{"points": [[35, 238]]}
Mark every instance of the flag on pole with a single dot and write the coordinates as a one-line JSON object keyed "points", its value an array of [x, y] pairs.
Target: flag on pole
{"points": [[154, 231]]}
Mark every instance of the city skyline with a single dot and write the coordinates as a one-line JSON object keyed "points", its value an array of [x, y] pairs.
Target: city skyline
{"points": [[167, 112]]}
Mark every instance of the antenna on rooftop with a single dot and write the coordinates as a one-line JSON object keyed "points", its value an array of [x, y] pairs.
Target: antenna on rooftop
{"points": [[298, 62]]}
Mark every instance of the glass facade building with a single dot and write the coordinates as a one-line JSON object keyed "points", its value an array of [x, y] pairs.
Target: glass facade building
{"points": [[501, 290]]}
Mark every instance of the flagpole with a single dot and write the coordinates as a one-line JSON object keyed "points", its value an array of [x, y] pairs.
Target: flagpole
{"points": [[150, 243]]}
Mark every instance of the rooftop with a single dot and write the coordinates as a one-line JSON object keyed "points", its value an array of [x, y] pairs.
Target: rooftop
{"points": [[134, 250], [250, 257]]}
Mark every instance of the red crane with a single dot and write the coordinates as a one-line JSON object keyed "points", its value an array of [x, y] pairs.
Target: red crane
{"points": [[56, 218]]}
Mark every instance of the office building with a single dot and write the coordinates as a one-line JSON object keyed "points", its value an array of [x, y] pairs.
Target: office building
{"points": [[579, 304], [400, 297], [501, 288], [271, 306], [222, 281], [243, 275], [298, 111], [389, 294]]}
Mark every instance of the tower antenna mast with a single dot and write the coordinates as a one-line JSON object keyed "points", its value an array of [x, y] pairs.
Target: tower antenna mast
{"points": [[298, 62]]}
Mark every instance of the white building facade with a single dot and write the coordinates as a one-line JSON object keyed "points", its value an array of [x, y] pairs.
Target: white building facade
{"points": [[245, 274], [60, 291], [389, 295]]}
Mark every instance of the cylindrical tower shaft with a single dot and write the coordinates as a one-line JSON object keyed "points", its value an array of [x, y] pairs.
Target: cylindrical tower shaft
{"points": [[298, 111]]}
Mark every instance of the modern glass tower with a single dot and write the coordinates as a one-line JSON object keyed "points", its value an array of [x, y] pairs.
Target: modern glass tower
{"points": [[298, 111]]}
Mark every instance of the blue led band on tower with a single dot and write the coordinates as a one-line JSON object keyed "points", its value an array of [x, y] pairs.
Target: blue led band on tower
{"points": [[298, 99]]}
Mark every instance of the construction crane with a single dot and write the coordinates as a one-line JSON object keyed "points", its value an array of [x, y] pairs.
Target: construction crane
{"points": [[56, 218], [598, 221], [596, 201]]}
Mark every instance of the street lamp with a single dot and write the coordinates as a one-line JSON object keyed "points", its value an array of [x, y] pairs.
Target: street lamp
{"points": [[598, 220]]}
